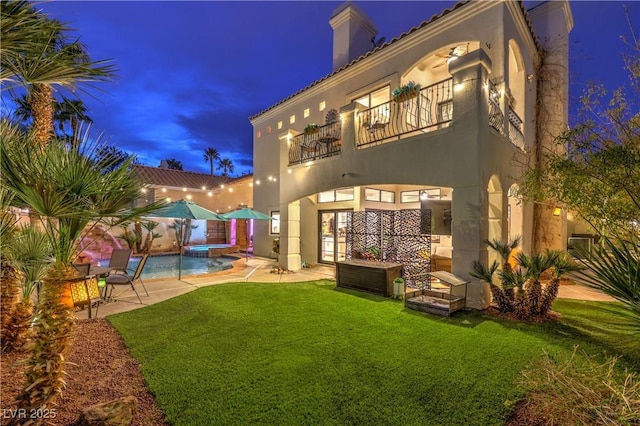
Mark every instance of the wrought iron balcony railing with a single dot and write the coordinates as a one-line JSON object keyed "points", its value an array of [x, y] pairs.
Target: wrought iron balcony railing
{"points": [[496, 117], [429, 109], [515, 129], [326, 141]]}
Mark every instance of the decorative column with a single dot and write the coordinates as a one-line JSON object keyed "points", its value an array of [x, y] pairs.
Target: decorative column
{"points": [[289, 257], [470, 207]]}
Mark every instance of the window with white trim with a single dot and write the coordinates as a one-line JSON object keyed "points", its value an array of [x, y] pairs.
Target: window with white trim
{"points": [[343, 194], [275, 223]]}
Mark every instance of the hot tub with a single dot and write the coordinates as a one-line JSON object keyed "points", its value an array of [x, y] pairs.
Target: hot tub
{"points": [[210, 250]]}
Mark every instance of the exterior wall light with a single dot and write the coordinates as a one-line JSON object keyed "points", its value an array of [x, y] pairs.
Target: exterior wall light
{"points": [[557, 211]]}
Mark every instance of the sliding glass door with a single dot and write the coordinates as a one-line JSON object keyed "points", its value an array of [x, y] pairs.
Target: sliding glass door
{"points": [[333, 233]]}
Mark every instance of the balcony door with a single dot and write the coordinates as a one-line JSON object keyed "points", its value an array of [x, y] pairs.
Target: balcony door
{"points": [[333, 235]]}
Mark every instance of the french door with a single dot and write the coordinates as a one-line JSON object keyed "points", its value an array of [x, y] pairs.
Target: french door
{"points": [[333, 234]]}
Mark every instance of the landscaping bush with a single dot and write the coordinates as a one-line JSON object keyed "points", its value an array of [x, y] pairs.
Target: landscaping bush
{"points": [[578, 390], [527, 285]]}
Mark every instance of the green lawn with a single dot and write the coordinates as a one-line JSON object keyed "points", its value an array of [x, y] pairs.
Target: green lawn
{"points": [[308, 353]]}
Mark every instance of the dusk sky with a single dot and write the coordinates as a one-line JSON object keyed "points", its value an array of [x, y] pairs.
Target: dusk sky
{"points": [[191, 73]]}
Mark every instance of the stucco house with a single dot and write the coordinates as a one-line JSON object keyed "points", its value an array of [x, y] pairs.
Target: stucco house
{"points": [[363, 138]]}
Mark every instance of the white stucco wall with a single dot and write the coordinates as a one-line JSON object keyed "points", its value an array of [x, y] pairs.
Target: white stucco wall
{"points": [[463, 156]]}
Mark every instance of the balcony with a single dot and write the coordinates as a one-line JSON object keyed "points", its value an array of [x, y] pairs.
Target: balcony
{"points": [[430, 109], [496, 117], [515, 129], [325, 142]]}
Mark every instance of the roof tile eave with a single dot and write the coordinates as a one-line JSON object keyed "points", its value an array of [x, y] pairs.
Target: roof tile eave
{"points": [[387, 44], [366, 55], [176, 178]]}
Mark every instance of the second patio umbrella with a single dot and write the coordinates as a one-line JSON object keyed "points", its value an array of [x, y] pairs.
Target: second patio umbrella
{"points": [[184, 209], [246, 214]]}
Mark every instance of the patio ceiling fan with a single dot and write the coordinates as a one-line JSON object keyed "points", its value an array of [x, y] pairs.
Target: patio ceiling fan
{"points": [[454, 52]]}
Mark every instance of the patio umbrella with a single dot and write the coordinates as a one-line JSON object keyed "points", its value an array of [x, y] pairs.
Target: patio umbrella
{"points": [[246, 214], [184, 209]]}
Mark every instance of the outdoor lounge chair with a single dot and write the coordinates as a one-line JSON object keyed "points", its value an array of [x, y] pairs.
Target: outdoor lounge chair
{"points": [[119, 260], [122, 278]]}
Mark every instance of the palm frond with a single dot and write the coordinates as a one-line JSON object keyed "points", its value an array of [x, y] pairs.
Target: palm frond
{"points": [[67, 187], [614, 269], [481, 272]]}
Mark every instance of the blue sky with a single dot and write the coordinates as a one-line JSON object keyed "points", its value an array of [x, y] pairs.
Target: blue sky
{"points": [[191, 73]]}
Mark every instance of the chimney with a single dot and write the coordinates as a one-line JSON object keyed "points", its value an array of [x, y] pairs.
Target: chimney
{"points": [[163, 164], [352, 33]]}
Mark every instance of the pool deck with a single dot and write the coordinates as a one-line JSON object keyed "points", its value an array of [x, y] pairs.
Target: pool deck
{"points": [[253, 269]]}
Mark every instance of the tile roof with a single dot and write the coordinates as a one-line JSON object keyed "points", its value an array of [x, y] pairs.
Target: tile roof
{"points": [[177, 178], [387, 44]]}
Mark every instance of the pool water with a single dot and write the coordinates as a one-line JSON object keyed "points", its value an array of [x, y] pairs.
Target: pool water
{"points": [[167, 266], [208, 246]]}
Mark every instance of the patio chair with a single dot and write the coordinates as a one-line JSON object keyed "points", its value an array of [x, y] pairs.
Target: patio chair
{"points": [[119, 260], [84, 289], [122, 278]]}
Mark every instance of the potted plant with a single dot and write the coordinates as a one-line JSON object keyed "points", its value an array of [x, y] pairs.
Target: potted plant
{"points": [[406, 92], [311, 128], [398, 288]]}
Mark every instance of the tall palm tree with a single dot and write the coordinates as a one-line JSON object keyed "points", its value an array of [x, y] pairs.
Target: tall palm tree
{"points": [[21, 29], [211, 155], [227, 166], [71, 191], [42, 60]]}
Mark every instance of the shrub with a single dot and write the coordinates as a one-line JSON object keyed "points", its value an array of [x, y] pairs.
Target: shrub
{"points": [[579, 390], [527, 288]]}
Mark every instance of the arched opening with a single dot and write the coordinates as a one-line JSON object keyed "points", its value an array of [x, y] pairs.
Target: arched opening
{"points": [[433, 67], [515, 92], [495, 214], [515, 214]]}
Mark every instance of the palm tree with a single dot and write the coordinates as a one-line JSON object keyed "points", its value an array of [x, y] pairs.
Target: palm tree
{"points": [[562, 265], [535, 265], [72, 111], [21, 30], [174, 164], [486, 274], [211, 155], [505, 250], [227, 166], [30, 252], [11, 276], [71, 191], [42, 60], [66, 110]]}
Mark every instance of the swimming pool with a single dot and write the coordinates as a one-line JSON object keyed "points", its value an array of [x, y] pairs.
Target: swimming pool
{"points": [[167, 266]]}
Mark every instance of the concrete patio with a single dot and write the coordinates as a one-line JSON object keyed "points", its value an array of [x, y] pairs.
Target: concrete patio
{"points": [[254, 269]]}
